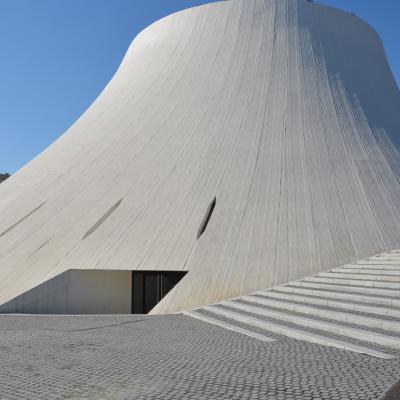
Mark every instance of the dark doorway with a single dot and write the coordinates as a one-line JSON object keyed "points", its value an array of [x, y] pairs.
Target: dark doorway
{"points": [[149, 287]]}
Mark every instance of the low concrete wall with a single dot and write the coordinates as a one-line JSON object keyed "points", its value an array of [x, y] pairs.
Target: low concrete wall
{"points": [[77, 292], [100, 292]]}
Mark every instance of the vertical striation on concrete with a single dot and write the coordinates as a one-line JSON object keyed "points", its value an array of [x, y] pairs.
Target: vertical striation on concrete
{"points": [[286, 111]]}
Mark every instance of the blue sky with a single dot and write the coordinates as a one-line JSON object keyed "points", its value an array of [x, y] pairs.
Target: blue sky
{"points": [[56, 57]]}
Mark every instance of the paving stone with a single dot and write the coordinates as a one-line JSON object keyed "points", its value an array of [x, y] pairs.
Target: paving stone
{"points": [[174, 358]]}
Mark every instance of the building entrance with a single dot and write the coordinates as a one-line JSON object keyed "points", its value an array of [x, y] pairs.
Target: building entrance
{"points": [[149, 287]]}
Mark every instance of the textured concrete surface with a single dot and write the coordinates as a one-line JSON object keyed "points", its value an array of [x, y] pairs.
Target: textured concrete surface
{"points": [[174, 357], [285, 111]]}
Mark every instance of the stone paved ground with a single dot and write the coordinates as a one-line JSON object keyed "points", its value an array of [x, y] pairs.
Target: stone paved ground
{"points": [[174, 357]]}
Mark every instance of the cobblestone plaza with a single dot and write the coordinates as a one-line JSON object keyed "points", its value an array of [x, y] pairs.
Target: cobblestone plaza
{"points": [[174, 357]]}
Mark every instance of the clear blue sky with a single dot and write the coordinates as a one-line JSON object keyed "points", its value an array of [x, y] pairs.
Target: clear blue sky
{"points": [[57, 55]]}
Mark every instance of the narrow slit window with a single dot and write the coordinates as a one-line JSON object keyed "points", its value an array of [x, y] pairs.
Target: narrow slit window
{"points": [[40, 247], [102, 219], [22, 219], [207, 217]]}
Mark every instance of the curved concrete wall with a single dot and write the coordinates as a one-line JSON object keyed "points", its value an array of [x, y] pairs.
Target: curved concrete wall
{"points": [[285, 111]]}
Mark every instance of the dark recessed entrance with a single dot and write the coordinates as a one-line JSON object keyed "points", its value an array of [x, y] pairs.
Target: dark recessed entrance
{"points": [[149, 287]]}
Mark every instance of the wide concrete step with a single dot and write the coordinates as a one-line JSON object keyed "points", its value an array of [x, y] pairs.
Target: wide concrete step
{"points": [[359, 277], [390, 339], [367, 271], [292, 331], [325, 293], [354, 282], [371, 291], [368, 320], [323, 301], [376, 267], [355, 307], [380, 261], [229, 326]]}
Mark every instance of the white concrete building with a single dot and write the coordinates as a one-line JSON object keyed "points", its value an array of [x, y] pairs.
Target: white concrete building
{"points": [[240, 145]]}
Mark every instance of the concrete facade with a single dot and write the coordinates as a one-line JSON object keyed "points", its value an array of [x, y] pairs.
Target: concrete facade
{"points": [[283, 111]]}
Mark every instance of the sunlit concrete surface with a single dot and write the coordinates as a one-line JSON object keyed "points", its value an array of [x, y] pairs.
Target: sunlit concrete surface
{"points": [[253, 144], [284, 112]]}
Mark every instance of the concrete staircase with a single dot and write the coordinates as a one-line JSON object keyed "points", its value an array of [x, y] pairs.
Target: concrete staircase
{"points": [[355, 307]]}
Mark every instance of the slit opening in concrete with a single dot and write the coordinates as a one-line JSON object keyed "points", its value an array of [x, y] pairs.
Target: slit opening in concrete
{"points": [[150, 287], [22, 219], [207, 217], [102, 219], [40, 247]]}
